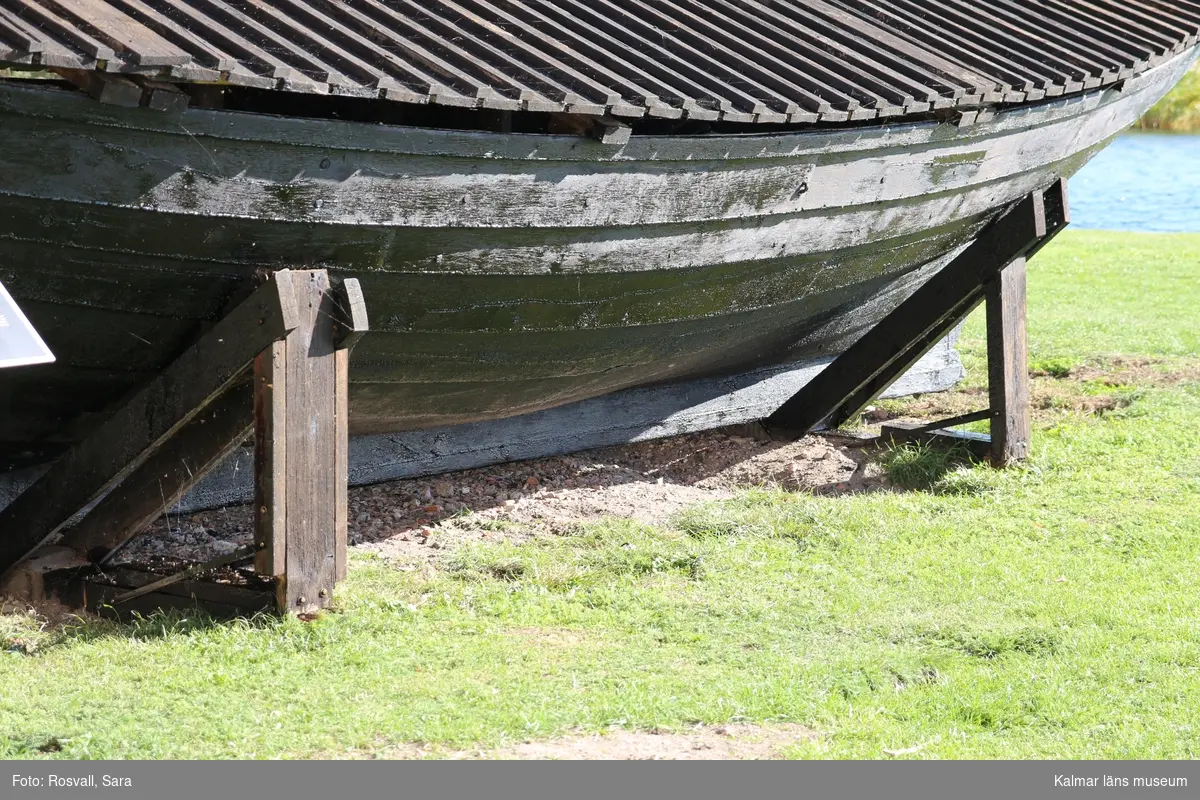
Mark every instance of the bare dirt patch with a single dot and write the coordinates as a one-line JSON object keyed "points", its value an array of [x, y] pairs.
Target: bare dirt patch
{"points": [[417, 520], [1091, 389], [740, 741], [414, 520]]}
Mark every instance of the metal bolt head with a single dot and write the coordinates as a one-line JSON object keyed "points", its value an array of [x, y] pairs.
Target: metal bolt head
{"points": [[301, 601], [322, 593]]}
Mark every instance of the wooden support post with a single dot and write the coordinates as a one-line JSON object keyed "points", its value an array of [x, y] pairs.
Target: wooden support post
{"points": [[124, 442], [886, 351], [1008, 365], [294, 334], [301, 437]]}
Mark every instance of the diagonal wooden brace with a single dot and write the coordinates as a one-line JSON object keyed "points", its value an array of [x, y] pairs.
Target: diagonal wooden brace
{"points": [[277, 365], [901, 338], [127, 440]]}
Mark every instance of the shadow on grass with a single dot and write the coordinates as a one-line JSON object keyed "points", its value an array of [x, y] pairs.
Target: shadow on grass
{"points": [[926, 468], [39, 639]]}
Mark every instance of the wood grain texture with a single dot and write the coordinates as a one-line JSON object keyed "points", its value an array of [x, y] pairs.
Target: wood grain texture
{"points": [[300, 491], [270, 461], [1008, 365], [341, 463], [889, 348]]}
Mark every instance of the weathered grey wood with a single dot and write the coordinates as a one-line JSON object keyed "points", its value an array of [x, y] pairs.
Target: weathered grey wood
{"points": [[172, 399], [350, 324], [164, 97], [300, 492], [522, 278], [165, 477], [744, 62], [269, 484], [341, 466], [1008, 365], [350, 313]]}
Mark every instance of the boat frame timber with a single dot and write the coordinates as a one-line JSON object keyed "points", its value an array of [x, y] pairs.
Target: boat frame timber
{"points": [[293, 334], [991, 269], [276, 365]]}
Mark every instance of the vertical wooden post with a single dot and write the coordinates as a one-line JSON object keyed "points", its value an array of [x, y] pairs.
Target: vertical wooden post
{"points": [[341, 467], [301, 509], [270, 460], [1008, 364]]}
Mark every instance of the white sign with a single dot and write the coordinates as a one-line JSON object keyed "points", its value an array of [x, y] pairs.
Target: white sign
{"points": [[20, 344]]}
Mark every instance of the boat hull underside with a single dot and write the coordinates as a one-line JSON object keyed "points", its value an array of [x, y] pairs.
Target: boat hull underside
{"points": [[121, 255], [443, 349]]}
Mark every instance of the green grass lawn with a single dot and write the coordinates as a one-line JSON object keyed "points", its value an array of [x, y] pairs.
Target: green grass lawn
{"points": [[1046, 611]]}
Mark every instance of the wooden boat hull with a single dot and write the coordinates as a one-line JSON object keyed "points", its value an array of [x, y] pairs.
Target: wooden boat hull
{"points": [[504, 273]]}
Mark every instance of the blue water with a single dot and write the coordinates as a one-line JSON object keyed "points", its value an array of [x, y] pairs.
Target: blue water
{"points": [[1141, 182]]}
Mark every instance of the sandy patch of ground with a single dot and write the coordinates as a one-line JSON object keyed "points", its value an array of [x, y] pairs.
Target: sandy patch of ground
{"points": [[412, 520], [1109, 387], [740, 741]]}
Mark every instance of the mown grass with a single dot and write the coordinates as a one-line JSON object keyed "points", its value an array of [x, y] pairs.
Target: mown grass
{"points": [[1048, 610]]}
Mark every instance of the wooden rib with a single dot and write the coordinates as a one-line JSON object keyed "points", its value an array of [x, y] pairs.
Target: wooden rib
{"points": [[1126, 58], [27, 38], [1042, 39], [802, 65], [461, 53], [987, 44], [46, 19], [830, 43], [451, 85], [1032, 85], [254, 57], [627, 99]]}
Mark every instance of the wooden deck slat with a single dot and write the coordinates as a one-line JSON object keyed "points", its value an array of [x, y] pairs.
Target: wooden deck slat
{"points": [[204, 52], [741, 61], [513, 84], [67, 32], [1027, 49], [1014, 86], [806, 65], [830, 44], [133, 41]]}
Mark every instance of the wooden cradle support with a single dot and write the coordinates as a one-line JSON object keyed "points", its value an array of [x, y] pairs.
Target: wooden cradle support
{"points": [[991, 269], [275, 366]]}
